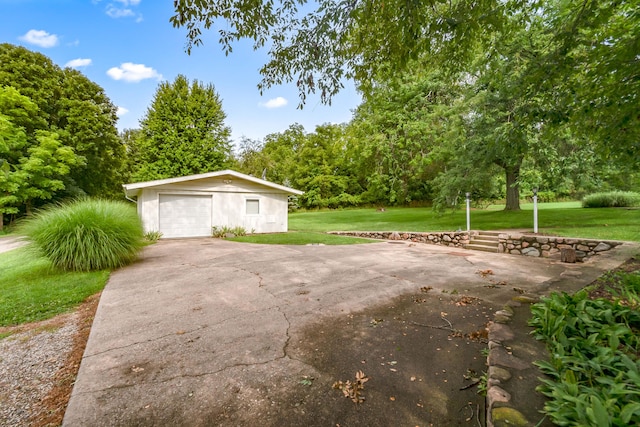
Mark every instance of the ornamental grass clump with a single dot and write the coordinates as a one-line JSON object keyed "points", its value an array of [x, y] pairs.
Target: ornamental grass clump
{"points": [[612, 199], [87, 235]]}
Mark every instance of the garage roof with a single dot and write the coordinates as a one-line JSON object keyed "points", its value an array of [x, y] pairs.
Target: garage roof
{"points": [[133, 189]]}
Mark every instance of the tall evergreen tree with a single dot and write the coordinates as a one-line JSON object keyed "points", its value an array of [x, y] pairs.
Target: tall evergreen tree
{"points": [[183, 132]]}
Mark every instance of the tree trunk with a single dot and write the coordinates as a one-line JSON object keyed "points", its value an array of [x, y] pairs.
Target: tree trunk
{"points": [[513, 189], [1, 221]]}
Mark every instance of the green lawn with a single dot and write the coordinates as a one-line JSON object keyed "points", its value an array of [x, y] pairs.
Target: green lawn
{"points": [[31, 289], [553, 218]]}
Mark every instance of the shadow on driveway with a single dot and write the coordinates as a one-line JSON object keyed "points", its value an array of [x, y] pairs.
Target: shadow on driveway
{"points": [[207, 332]]}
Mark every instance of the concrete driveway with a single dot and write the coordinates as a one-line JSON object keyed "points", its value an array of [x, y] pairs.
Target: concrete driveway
{"points": [[210, 332]]}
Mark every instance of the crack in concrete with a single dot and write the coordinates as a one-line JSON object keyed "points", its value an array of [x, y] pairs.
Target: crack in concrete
{"points": [[223, 321], [200, 375], [284, 347], [279, 307]]}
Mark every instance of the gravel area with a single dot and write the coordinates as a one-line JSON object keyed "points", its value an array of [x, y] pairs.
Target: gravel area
{"points": [[38, 366], [29, 362]]}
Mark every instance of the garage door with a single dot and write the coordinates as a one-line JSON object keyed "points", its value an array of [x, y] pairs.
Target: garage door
{"points": [[185, 216]]}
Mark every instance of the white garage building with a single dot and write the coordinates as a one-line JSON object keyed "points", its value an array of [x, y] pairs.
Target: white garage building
{"points": [[190, 206]]}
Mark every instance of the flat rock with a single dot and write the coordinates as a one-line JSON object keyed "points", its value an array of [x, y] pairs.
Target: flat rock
{"points": [[499, 332], [499, 356], [498, 373], [526, 299], [508, 417], [501, 318], [504, 312], [602, 246], [497, 394]]}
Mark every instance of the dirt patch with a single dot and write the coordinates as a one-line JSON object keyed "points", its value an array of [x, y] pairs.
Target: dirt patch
{"points": [[610, 284]]}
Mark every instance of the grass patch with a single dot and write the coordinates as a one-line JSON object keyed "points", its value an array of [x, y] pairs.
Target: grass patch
{"points": [[300, 238], [32, 289], [602, 223]]}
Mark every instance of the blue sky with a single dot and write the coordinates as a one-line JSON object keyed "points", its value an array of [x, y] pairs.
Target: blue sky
{"points": [[129, 46]]}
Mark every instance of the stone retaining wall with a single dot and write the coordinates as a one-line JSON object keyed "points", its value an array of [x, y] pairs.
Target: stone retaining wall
{"points": [[543, 246], [452, 238]]}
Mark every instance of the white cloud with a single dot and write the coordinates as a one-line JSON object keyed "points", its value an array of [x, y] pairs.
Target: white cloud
{"points": [[116, 12], [122, 9], [275, 103], [130, 72], [40, 38], [79, 62], [121, 111]]}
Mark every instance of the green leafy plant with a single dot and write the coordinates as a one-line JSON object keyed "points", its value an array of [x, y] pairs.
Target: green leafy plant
{"points": [[307, 380], [87, 235], [613, 199], [482, 384], [152, 236], [593, 375], [225, 231]]}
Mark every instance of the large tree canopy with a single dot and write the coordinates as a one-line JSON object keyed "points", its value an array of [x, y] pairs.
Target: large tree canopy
{"points": [[360, 39], [73, 107], [587, 73], [182, 133], [32, 167]]}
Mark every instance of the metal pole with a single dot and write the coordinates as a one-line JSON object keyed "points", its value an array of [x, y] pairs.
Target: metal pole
{"points": [[535, 210], [468, 213]]}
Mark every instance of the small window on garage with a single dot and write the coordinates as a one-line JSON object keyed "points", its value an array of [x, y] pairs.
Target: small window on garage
{"points": [[253, 206]]}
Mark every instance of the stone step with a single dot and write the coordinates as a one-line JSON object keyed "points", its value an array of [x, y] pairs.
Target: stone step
{"points": [[489, 233], [486, 238], [484, 248], [485, 242]]}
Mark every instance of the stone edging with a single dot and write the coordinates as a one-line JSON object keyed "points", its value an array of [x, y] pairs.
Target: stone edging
{"points": [[452, 238], [500, 411], [545, 246], [515, 244]]}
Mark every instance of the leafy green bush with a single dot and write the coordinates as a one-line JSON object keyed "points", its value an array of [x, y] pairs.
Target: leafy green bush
{"points": [[152, 236], [547, 196], [87, 234], [594, 370], [613, 199], [223, 231]]}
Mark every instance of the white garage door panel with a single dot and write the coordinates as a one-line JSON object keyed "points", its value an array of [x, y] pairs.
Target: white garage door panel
{"points": [[185, 216]]}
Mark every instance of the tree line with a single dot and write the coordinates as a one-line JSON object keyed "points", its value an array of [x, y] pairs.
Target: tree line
{"points": [[495, 99]]}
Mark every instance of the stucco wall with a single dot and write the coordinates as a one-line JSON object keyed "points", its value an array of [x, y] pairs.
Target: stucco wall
{"points": [[229, 204]]}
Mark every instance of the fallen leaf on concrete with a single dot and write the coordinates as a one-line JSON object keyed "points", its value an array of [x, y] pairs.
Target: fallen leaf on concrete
{"points": [[485, 273]]}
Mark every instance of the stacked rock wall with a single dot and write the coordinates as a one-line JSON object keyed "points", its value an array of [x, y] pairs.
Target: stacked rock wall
{"points": [[543, 246], [453, 238]]}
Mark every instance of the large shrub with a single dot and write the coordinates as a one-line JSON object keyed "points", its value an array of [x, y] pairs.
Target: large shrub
{"points": [[613, 199], [87, 234]]}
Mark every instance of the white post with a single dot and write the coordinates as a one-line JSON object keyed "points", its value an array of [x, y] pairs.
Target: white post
{"points": [[468, 213], [535, 210]]}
